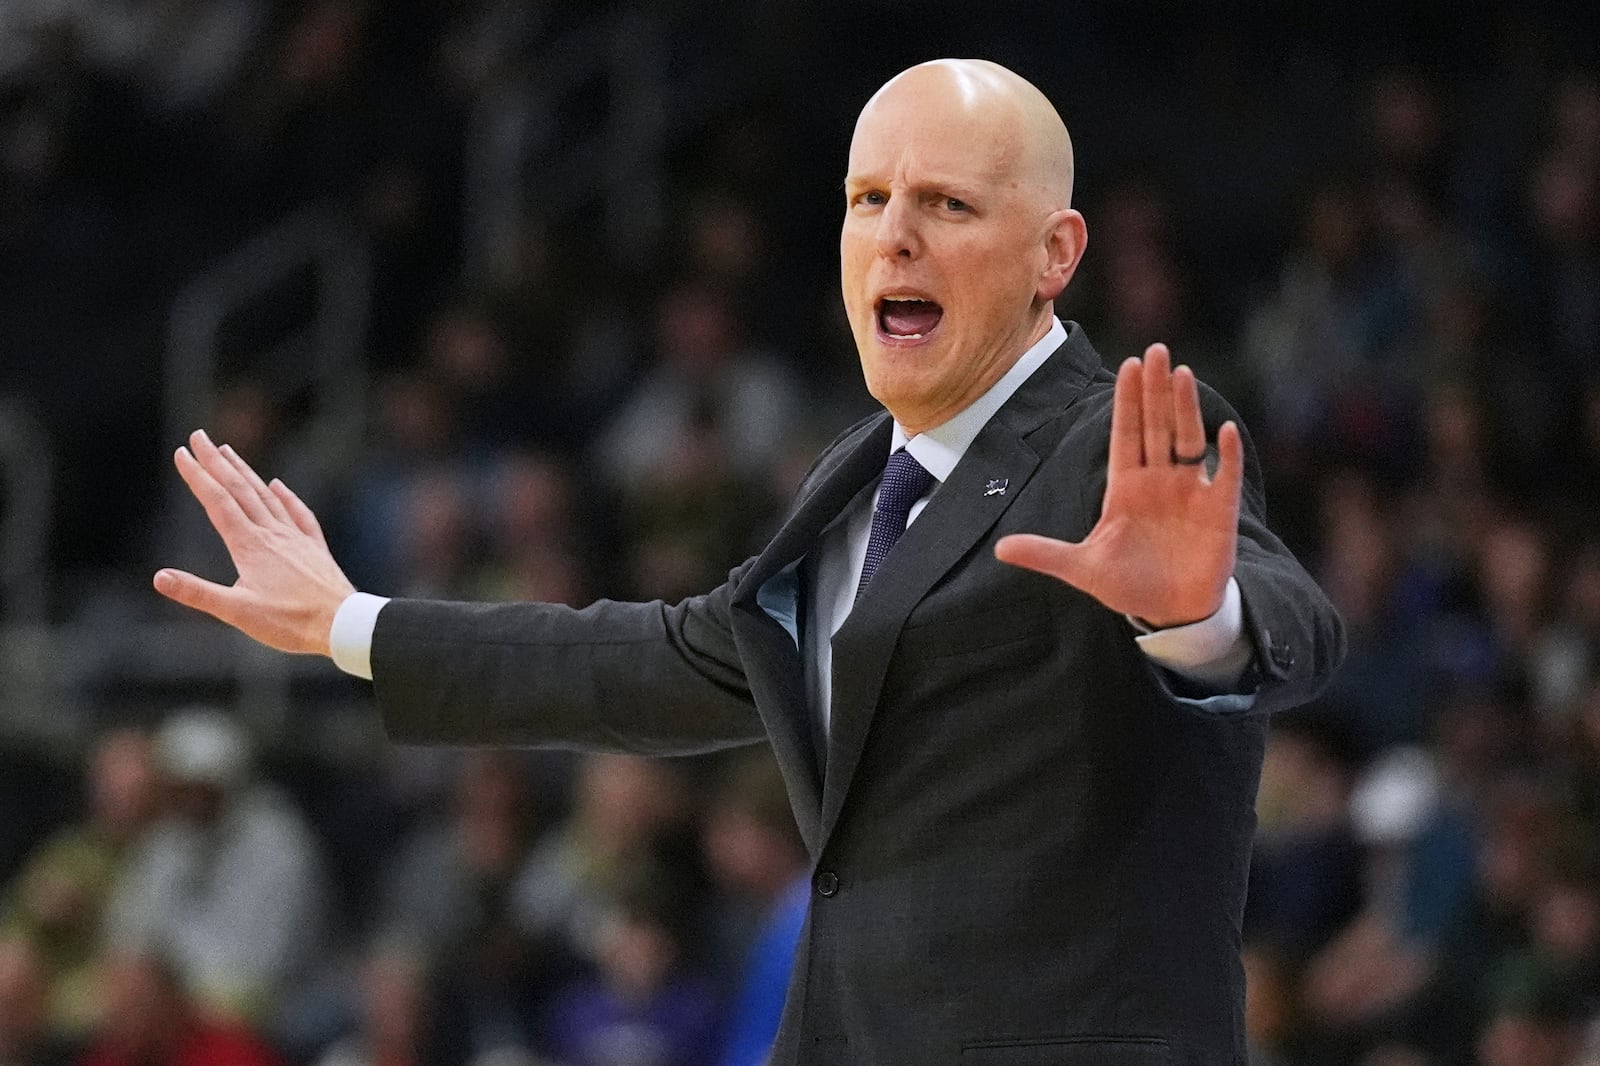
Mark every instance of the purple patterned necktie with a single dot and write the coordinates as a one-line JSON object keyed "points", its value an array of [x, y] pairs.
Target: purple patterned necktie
{"points": [[904, 483]]}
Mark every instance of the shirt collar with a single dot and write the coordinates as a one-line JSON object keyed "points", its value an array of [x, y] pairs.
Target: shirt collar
{"points": [[939, 449]]}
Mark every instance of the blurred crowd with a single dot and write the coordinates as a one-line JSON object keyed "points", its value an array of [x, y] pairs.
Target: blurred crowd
{"points": [[1408, 323], [190, 914]]}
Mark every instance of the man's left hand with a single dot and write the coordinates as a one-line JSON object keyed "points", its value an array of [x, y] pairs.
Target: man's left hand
{"points": [[1163, 549]]}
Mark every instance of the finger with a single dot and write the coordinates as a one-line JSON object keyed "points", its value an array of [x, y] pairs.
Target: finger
{"points": [[216, 464], [253, 480], [1058, 558], [1229, 478], [299, 513], [222, 510], [1157, 409], [1127, 433], [219, 601], [1188, 427]]}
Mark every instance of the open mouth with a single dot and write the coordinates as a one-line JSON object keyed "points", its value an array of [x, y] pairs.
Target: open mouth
{"points": [[907, 319]]}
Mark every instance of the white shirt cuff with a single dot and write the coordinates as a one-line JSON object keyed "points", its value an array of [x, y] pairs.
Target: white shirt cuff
{"points": [[350, 638], [1213, 652]]}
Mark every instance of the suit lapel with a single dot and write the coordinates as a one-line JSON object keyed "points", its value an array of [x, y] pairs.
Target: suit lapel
{"points": [[958, 515], [769, 653]]}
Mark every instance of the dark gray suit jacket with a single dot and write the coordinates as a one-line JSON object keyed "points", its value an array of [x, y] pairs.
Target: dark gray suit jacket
{"points": [[1029, 848]]}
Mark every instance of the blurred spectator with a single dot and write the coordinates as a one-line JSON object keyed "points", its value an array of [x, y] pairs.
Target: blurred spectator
{"points": [[1532, 1032], [1455, 493], [302, 112], [1407, 133], [1476, 972], [533, 538], [1566, 931], [1406, 129], [399, 1025], [1381, 690], [415, 432], [449, 901], [150, 1019], [728, 245], [693, 447], [1366, 987], [1564, 215], [627, 811], [1513, 572], [467, 353], [437, 552], [450, 881], [228, 885], [1566, 654], [757, 858], [1326, 348], [1143, 288], [58, 900], [26, 1035], [643, 1007], [1151, 298], [1305, 875]]}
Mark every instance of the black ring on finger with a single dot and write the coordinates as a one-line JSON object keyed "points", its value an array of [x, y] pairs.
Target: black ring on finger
{"points": [[1189, 460]]}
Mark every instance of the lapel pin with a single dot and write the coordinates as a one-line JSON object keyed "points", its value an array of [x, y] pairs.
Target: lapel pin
{"points": [[996, 486]]}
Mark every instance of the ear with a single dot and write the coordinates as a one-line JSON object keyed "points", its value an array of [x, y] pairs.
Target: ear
{"points": [[1065, 238]]}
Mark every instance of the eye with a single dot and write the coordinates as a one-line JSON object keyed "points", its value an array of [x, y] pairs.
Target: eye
{"points": [[958, 206], [872, 199]]}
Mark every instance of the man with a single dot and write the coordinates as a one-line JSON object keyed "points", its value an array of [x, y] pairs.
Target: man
{"points": [[58, 901], [226, 886], [1029, 824], [150, 1017]]}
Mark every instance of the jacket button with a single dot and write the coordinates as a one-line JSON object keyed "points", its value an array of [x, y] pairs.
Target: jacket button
{"points": [[827, 883]]}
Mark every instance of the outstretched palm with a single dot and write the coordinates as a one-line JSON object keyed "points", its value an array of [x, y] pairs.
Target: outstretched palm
{"points": [[289, 586], [1163, 549]]}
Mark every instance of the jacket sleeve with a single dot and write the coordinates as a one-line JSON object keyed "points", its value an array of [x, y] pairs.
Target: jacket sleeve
{"points": [[1297, 636], [643, 678]]}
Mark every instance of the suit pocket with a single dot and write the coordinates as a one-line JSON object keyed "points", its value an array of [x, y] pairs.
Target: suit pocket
{"points": [[1076, 1051], [1021, 623]]}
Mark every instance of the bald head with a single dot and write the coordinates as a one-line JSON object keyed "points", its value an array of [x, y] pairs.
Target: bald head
{"points": [[1030, 139], [958, 234]]}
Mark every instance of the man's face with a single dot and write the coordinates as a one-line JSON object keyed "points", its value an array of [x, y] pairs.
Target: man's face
{"points": [[944, 246]]}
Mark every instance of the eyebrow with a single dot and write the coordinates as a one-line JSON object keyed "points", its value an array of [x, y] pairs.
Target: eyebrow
{"points": [[961, 190]]}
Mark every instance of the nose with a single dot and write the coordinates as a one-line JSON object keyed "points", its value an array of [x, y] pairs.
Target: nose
{"points": [[897, 229]]}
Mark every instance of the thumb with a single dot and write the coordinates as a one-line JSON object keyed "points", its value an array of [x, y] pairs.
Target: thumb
{"points": [[190, 591], [1060, 559]]}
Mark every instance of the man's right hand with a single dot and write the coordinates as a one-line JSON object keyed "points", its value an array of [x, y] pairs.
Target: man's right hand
{"points": [[289, 587]]}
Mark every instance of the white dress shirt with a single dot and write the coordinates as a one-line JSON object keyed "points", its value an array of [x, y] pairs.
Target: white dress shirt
{"points": [[1212, 653]]}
